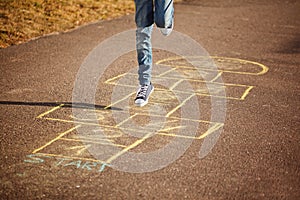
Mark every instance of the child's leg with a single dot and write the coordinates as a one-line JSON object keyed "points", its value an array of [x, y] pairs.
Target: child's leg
{"points": [[164, 13], [144, 15], [144, 54], [144, 18]]}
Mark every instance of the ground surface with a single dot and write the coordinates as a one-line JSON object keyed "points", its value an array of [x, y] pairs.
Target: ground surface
{"points": [[255, 45]]}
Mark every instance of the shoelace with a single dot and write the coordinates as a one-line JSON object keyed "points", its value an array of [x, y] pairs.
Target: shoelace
{"points": [[143, 91]]}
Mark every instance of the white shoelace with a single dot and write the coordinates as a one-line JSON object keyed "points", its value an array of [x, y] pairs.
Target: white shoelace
{"points": [[143, 90]]}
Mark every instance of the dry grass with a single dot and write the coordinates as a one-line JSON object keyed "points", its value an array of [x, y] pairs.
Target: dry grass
{"points": [[21, 20]]}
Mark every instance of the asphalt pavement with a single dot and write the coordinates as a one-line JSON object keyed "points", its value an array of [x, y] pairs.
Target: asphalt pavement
{"points": [[241, 111]]}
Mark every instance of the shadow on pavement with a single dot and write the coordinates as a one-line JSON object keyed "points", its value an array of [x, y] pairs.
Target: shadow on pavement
{"points": [[54, 104]]}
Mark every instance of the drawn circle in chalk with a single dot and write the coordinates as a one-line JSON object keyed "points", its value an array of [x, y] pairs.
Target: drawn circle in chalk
{"points": [[225, 64]]}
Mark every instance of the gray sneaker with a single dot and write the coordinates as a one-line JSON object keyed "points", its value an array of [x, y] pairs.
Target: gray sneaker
{"points": [[143, 95]]}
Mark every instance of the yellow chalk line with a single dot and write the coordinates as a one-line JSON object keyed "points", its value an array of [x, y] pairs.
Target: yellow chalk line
{"points": [[57, 138], [76, 147], [180, 105], [114, 135], [264, 69], [166, 72], [136, 143], [203, 94], [108, 126], [174, 58], [70, 157], [176, 84], [81, 123], [219, 70], [218, 75], [81, 148], [212, 129], [71, 121], [120, 100], [49, 111], [175, 135], [217, 96], [247, 92], [172, 128], [114, 78], [79, 137], [132, 116], [93, 142], [142, 131], [188, 79], [157, 123]]}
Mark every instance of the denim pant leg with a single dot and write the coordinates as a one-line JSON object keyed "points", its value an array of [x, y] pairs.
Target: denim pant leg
{"points": [[164, 13], [144, 53], [144, 13], [144, 18]]}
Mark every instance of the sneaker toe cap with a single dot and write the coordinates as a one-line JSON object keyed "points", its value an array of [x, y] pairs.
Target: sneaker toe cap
{"points": [[139, 101]]}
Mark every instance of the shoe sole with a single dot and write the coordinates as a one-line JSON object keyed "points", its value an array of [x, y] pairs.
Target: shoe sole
{"points": [[146, 102]]}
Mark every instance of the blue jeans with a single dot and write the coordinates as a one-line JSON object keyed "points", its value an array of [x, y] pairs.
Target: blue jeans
{"points": [[161, 12]]}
